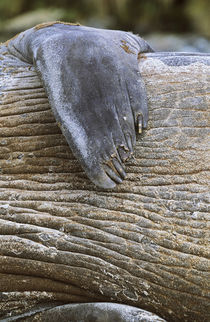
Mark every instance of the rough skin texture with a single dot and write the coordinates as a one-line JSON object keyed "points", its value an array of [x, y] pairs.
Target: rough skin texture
{"points": [[64, 240], [94, 87]]}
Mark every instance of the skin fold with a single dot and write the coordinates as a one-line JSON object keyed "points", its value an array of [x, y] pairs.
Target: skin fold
{"points": [[95, 90]]}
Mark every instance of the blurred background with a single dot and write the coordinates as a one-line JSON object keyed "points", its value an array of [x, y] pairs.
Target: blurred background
{"points": [[181, 25]]}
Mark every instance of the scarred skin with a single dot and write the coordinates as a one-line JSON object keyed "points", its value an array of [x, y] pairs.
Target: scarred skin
{"points": [[94, 87]]}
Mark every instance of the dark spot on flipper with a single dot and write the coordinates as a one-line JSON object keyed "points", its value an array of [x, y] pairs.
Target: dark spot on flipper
{"points": [[95, 92]]}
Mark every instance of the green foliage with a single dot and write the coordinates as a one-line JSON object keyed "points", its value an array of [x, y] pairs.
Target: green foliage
{"points": [[137, 15], [199, 13], [10, 8]]}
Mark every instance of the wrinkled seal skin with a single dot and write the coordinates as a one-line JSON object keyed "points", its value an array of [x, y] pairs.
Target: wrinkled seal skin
{"points": [[95, 90]]}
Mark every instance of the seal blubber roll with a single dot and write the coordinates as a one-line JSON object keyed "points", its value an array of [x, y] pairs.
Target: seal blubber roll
{"points": [[94, 87]]}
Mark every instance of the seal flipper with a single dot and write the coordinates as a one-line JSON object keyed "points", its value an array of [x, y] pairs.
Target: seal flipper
{"points": [[92, 82]]}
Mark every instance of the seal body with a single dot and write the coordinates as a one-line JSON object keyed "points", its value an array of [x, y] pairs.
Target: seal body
{"points": [[95, 90]]}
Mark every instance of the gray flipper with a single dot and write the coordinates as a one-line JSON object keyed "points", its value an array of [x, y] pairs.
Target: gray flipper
{"points": [[95, 90]]}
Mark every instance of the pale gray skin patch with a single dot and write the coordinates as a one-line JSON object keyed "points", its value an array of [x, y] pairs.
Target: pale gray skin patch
{"points": [[94, 87], [181, 58], [89, 312]]}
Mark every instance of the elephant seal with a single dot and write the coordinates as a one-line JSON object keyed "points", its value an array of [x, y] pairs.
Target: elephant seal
{"points": [[94, 87]]}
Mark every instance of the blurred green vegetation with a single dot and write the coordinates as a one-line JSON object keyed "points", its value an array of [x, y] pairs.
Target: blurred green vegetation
{"points": [[141, 16]]}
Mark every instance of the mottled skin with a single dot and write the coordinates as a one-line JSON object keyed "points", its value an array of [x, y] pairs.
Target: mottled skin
{"points": [[95, 90]]}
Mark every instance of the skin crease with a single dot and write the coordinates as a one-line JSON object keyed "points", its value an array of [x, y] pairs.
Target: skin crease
{"points": [[94, 87]]}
